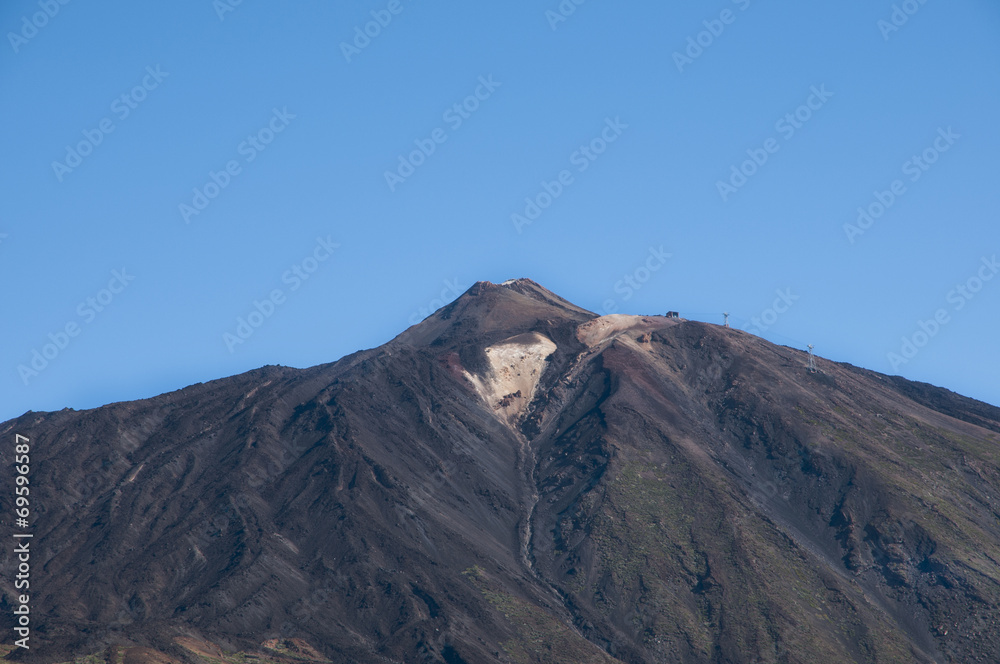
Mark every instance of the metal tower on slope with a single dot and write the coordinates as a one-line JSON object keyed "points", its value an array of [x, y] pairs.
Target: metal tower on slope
{"points": [[812, 359], [726, 314]]}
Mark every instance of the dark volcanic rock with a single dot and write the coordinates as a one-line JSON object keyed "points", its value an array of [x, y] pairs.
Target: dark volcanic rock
{"points": [[517, 480]]}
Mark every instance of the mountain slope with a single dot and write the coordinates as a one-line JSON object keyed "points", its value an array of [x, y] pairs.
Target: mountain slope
{"points": [[515, 479]]}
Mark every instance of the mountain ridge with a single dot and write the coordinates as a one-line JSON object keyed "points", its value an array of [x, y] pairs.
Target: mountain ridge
{"points": [[518, 479]]}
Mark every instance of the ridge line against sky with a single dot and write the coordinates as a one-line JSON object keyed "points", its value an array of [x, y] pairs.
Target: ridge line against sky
{"points": [[330, 174]]}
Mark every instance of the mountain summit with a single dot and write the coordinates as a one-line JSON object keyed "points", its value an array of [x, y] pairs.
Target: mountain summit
{"points": [[516, 479]]}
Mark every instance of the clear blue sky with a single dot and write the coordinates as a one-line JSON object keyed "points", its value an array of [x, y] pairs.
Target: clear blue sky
{"points": [[309, 129]]}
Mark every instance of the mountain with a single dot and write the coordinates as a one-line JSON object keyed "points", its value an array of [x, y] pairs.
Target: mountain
{"points": [[516, 479]]}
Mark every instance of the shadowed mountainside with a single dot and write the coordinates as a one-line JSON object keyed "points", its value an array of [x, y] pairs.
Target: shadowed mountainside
{"points": [[517, 480]]}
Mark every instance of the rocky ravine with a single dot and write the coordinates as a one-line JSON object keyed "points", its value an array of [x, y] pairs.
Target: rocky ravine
{"points": [[517, 480]]}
